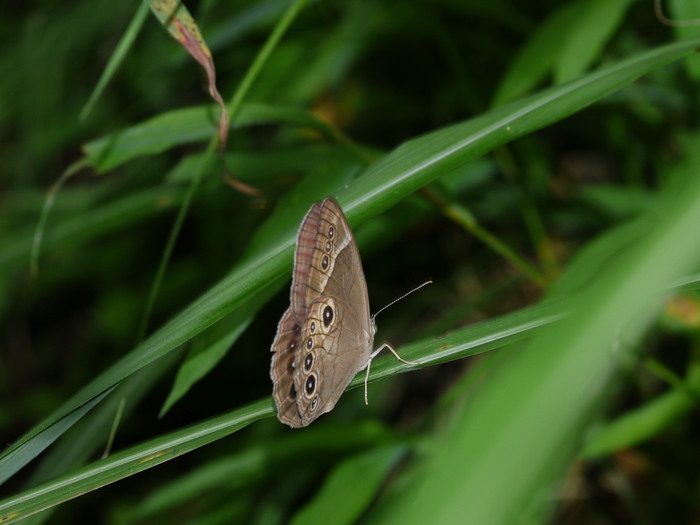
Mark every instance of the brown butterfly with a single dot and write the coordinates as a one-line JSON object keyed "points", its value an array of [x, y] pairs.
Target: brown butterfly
{"points": [[325, 337]]}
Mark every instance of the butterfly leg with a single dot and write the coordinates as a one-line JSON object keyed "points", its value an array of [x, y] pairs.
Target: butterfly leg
{"points": [[374, 354]]}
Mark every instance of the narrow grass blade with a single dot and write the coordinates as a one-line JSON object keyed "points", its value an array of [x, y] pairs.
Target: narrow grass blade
{"points": [[129, 462], [15, 460], [116, 59]]}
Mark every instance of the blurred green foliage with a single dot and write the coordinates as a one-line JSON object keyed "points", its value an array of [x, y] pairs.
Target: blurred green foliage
{"points": [[538, 161]]}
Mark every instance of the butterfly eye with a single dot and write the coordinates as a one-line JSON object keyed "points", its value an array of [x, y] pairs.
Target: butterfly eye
{"points": [[310, 384], [314, 403], [331, 232], [309, 343], [324, 262], [308, 361], [329, 246], [327, 315], [312, 326]]}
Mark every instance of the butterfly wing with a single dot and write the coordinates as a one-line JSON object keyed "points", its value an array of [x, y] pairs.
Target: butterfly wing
{"points": [[326, 335], [282, 370]]}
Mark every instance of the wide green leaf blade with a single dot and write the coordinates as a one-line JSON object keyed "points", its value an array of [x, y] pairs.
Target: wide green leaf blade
{"points": [[512, 442], [186, 125], [350, 488], [534, 61], [596, 22], [646, 421]]}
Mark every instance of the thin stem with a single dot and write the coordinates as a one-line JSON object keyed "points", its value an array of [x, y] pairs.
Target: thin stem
{"points": [[236, 101], [45, 210], [462, 216], [263, 56]]}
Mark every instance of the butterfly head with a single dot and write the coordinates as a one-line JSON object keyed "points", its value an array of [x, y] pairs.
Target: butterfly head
{"points": [[372, 326]]}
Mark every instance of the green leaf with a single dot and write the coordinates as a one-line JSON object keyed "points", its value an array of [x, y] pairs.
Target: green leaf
{"points": [[253, 167], [596, 22], [183, 126], [350, 487], [207, 350], [89, 435], [235, 472], [130, 462], [617, 202], [534, 61], [16, 459], [647, 421], [509, 464], [685, 16]]}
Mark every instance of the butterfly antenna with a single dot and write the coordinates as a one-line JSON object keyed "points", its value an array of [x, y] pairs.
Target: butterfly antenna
{"points": [[402, 297]]}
